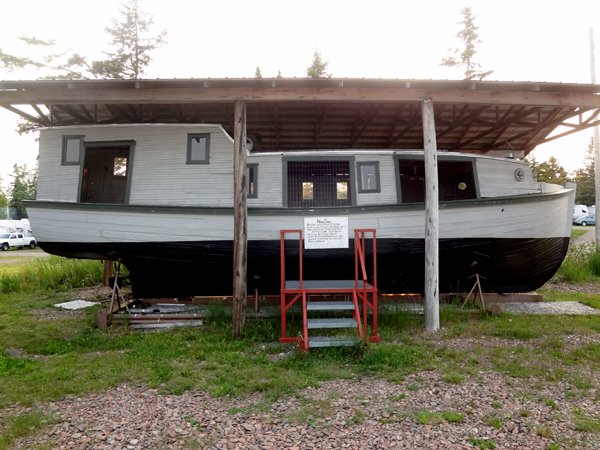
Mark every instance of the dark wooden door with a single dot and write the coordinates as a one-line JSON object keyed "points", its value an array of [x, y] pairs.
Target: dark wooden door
{"points": [[105, 175]]}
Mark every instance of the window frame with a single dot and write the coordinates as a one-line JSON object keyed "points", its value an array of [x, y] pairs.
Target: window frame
{"points": [[361, 189], [440, 157], [189, 159], [321, 158], [253, 166], [65, 139]]}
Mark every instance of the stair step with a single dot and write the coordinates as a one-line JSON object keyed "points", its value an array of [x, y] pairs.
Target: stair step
{"points": [[329, 306], [331, 341], [332, 323], [324, 284]]}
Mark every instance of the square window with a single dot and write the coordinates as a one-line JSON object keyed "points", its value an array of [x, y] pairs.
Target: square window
{"points": [[198, 149], [368, 177], [318, 184], [71, 150], [252, 180]]}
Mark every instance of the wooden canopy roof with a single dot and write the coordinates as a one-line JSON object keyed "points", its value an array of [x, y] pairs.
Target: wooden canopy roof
{"points": [[299, 114]]}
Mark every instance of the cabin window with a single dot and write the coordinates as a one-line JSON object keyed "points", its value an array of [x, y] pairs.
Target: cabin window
{"points": [[318, 184], [368, 177], [456, 180], [198, 148], [71, 150], [252, 180]]}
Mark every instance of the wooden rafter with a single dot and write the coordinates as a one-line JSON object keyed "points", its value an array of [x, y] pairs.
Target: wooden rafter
{"points": [[277, 125], [462, 119], [371, 114], [585, 126], [321, 117], [550, 125], [70, 111], [543, 123], [415, 118], [39, 120], [518, 115]]}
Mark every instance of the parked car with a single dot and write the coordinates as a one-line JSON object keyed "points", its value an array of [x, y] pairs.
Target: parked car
{"points": [[585, 221], [18, 240]]}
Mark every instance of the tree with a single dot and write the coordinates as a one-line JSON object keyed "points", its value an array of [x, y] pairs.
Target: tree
{"points": [[548, 171], [131, 40], [133, 44], [470, 37], [23, 187], [258, 73], [318, 67], [279, 74], [586, 178], [3, 202]]}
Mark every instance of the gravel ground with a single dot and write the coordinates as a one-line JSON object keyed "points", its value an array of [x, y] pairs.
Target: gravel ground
{"points": [[365, 413]]}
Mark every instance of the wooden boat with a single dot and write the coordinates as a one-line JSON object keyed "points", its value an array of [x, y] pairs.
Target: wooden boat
{"points": [[160, 197]]}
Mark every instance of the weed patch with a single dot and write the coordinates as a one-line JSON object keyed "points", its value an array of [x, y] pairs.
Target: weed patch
{"points": [[14, 427]]}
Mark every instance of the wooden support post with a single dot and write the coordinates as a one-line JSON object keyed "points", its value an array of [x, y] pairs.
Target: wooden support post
{"points": [[240, 235], [596, 132], [432, 304], [108, 272]]}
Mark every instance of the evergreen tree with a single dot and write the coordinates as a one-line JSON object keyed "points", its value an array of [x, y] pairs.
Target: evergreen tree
{"points": [[468, 34], [131, 40], [3, 202], [318, 68], [548, 171], [23, 187], [258, 73], [586, 178], [279, 74]]}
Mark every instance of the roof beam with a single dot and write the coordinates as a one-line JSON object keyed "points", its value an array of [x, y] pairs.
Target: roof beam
{"points": [[29, 117], [337, 94]]}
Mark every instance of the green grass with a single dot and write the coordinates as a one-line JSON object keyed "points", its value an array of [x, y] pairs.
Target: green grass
{"points": [[79, 359], [14, 427], [453, 416], [429, 417], [585, 423], [576, 232], [50, 274], [453, 378], [482, 444], [581, 265]]}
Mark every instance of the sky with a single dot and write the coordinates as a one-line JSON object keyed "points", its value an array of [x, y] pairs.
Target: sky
{"points": [[524, 40]]}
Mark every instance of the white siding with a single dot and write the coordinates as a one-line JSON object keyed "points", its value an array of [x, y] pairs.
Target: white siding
{"points": [[497, 178], [159, 176], [387, 177], [270, 194], [56, 182]]}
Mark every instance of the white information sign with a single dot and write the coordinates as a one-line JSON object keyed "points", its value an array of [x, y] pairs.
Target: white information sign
{"points": [[325, 232]]}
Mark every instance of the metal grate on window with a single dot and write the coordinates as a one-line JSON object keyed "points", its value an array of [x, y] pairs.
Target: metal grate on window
{"points": [[318, 184]]}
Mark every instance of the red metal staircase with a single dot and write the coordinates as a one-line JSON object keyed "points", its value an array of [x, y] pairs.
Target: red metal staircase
{"points": [[359, 289]]}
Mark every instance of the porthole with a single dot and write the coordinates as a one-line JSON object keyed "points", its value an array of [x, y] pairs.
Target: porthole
{"points": [[520, 174]]}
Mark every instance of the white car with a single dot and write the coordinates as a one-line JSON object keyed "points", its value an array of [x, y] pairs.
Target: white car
{"points": [[18, 240]]}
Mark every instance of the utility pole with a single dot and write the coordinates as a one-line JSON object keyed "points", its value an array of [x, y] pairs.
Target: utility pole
{"points": [[596, 132]]}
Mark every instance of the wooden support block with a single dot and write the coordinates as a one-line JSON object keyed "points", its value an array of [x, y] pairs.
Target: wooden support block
{"points": [[102, 318]]}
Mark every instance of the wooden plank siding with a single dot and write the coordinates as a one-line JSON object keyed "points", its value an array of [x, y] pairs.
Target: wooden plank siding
{"points": [[160, 175]]}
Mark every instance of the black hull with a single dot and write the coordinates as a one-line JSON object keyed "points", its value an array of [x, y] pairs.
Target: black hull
{"points": [[175, 269]]}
